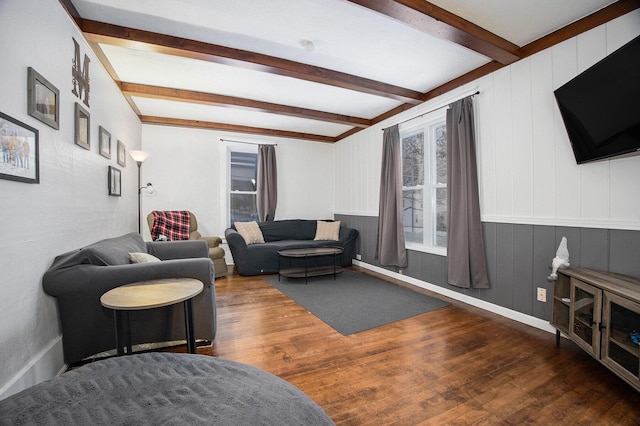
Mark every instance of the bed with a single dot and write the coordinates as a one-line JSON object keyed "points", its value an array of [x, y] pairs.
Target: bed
{"points": [[163, 388]]}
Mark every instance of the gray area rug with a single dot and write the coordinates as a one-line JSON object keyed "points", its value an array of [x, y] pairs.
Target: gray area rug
{"points": [[355, 302]]}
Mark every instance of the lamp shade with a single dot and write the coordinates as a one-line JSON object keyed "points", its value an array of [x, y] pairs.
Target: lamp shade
{"points": [[139, 156]]}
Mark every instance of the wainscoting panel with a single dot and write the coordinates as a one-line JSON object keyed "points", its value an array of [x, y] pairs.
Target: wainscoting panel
{"points": [[523, 269], [505, 280], [624, 252], [595, 248], [518, 259], [544, 249], [367, 227], [489, 231]]}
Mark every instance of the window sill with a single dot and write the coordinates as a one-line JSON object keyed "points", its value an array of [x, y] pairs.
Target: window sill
{"points": [[440, 251]]}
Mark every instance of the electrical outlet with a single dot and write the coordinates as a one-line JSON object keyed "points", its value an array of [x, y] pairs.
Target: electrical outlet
{"points": [[542, 294], [358, 257]]}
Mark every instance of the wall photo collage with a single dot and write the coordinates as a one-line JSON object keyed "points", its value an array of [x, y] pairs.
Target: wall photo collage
{"points": [[19, 142]]}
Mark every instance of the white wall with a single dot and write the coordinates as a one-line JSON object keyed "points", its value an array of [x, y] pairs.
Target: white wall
{"points": [[529, 173], [527, 170], [70, 207], [183, 167], [188, 168]]}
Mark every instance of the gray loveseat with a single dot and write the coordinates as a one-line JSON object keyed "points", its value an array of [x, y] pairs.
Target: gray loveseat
{"points": [[262, 258], [78, 278]]}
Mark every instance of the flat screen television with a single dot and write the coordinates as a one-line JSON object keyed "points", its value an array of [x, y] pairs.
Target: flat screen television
{"points": [[601, 106]]}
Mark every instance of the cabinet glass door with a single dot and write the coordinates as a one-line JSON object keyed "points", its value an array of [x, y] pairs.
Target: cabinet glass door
{"points": [[585, 316], [621, 337]]}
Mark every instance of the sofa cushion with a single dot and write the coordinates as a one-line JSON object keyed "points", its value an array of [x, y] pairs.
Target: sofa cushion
{"points": [[290, 229], [250, 231], [327, 230], [274, 246]]}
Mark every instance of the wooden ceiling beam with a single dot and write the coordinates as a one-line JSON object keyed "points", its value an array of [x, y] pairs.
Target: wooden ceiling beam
{"points": [[440, 23], [178, 122], [72, 11], [100, 32], [180, 95]]}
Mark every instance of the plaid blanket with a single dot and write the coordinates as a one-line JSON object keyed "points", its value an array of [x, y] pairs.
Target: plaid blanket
{"points": [[172, 224]]}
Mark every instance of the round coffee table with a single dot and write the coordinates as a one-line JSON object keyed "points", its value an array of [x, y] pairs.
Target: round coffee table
{"points": [[148, 295]]}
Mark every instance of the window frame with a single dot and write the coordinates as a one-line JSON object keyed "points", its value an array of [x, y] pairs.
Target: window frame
{"points": [[428, 125], [242, 149]]}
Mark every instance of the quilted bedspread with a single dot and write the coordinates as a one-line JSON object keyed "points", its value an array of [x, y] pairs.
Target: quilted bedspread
{"points": [[163, 389]]}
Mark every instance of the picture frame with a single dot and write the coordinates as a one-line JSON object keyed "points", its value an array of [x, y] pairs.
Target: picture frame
{"points": [[82, 127], [104, 146], [122, 154], [43, 99], [20, 159], [114, 182]]}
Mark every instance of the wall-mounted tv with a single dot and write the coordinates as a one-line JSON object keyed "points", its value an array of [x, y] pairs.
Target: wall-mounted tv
{"points": [[601, 106]]}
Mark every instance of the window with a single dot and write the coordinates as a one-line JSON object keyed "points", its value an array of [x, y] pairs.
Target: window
{"points": [[424, 184], [243, 171]]}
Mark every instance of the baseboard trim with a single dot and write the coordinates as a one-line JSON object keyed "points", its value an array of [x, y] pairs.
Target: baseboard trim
{"points": [[46, 364], [496, 309]]}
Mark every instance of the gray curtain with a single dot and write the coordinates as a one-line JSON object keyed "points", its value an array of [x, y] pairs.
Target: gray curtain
{"points": [[390, 250], [466, 264], [267, 185]]}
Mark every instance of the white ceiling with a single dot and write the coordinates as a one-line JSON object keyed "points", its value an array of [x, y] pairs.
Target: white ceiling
{"points": [[347, 37]]}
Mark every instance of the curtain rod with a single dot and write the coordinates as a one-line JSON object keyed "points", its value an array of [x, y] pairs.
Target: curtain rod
{"points": [[433, 110], [248, 143]]}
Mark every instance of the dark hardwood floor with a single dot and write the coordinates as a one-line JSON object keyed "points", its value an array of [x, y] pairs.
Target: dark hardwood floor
{"points": [[456, 365]]}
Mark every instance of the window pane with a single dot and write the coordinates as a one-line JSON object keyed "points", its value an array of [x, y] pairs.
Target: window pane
{"points": [[244, 167], [441, 217], [413, 160], [243, 207], [424, 178], [413, 207], [441, 153]]}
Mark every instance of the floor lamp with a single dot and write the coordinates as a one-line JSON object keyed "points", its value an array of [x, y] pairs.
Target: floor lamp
{"points": [[139, 157]]}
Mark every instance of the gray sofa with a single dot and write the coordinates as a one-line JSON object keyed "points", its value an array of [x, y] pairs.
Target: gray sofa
{"points": [[78, 278], [262, 258]]}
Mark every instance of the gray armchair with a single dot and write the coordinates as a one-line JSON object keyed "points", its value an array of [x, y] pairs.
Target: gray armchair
{"points": [[78, 278]]}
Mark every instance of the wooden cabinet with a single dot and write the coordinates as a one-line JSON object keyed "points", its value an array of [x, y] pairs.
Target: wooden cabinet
{"points": [[600, 311]]}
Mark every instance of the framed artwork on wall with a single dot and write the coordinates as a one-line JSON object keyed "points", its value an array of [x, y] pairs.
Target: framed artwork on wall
{"points": [[20, 155], [122, 154], [82, 127], [43, 99], [114, 181], [105, 143]]}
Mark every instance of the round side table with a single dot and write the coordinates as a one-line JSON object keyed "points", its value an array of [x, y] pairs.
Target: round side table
{"points": [[148, 295]]}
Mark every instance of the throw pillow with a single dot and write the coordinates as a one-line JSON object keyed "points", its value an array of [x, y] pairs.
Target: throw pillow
{"points": [[250, 231], [143, 258], [328, 230]]}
